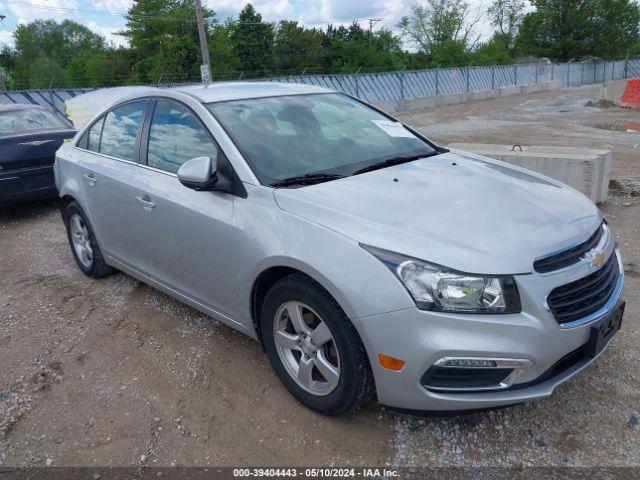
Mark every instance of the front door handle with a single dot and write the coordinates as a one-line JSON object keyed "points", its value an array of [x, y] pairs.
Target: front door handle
{"points": [[145, 201], [90, 178]]}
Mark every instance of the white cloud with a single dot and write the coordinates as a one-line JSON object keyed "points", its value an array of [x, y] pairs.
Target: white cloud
{"points": [[271, 10], [55, 10], [389, 12], [109, 33], [339, 12], [114, 6], [6, 38]]}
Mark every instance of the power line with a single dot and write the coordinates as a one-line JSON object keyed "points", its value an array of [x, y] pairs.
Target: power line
{"points": [[158, 17], [103, 12]]}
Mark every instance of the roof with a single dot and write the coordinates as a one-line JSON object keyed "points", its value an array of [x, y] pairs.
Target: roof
{"points": [[14, 107], [82, 108], [222, 91]]}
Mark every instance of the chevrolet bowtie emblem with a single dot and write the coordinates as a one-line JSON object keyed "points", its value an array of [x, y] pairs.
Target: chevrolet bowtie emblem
{"points": [[598, 259]]}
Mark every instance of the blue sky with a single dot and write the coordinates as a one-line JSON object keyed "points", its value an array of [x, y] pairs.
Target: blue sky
{"points": [[309, 12]]}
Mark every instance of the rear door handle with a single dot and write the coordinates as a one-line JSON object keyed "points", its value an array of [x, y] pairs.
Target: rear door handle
{"points": [[90, 178], [146, 202]]}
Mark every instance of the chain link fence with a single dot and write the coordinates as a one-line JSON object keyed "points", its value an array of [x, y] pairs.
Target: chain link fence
{"points": [[400, 85]]}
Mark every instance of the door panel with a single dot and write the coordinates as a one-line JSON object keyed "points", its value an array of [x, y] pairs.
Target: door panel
{"points": [[108, 187], [188, 236], [108, 174]]}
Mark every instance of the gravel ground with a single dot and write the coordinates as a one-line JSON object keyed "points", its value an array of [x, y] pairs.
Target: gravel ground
{"points": [[112, 372]]}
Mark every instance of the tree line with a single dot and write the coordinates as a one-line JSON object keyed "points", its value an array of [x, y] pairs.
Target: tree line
{"points": [[163, 47]]}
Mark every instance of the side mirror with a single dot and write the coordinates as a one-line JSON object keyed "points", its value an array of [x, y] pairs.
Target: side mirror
{"points": [[198, 174]]}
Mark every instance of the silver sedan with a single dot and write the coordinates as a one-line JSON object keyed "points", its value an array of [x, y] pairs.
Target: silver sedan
{"points": [[365, 258]]}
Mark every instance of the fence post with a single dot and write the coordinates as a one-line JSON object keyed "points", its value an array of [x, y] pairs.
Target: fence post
{"points": [[552, 70], [493, 77], [467, 78], [594, 71], [437, 75], [402, 85], [357, 87], [515, 74], [568, 74], [582, 74], [626, 68], [536, 73], [53, 108]]}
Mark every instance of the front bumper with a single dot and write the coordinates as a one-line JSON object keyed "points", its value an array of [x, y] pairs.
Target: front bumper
{"points": [[421, 338]]}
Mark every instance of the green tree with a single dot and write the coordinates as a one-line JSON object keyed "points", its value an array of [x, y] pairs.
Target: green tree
{"points": [[224, 62], [48, 52], [493, 52], [164, 39], [297, 48], [349, 49], [573, 29], [252, 42], [506, 16], [437, 22], [616, 28]]}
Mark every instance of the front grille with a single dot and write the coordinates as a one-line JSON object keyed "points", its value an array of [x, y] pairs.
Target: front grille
{"points": [[568, 257], [586, 295]]}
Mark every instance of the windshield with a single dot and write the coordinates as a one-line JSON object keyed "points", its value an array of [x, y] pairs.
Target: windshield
{"points": [[16, 121], [289, 136]]}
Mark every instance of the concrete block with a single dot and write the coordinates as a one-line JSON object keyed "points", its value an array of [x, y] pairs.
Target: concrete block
{"points": [[553, 85], [587, 170], [421, 102], [483, 95], [432, 102], [612, 90], [390, 107], [533, 88], [453, 98], [509, 91]]}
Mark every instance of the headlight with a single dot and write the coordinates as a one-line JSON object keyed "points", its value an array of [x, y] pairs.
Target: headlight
{"points": [[434, 287]]}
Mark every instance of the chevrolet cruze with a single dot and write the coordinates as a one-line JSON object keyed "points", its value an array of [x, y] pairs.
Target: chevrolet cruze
{"points": [[365, 258]]}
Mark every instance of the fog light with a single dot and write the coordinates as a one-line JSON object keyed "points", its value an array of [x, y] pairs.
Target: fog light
{"points": [[390, 363]]}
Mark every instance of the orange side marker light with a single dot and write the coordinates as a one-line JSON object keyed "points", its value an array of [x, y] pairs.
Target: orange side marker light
{"points": [[390, 363]]}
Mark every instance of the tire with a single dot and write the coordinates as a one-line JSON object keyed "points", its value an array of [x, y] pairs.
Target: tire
{"points": [[344, 353], [92, 265]]}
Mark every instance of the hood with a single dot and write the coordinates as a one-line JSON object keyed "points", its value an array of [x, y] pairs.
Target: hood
{"points": [[460, 210]]}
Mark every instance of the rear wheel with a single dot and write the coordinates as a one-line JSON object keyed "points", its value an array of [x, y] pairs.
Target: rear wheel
{"points": [[313, 347], [83, 243]]}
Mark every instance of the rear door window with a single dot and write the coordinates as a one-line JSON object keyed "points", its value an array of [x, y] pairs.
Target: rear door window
{"points": [[120, 130]]}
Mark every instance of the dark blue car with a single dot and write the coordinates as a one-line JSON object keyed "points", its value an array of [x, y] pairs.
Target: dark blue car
{"points": [[29, 138]]}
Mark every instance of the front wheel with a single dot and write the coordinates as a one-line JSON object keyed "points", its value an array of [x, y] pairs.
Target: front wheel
{"points": [[314, 348]]}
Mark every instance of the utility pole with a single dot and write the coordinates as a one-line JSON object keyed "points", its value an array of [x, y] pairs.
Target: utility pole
{"points": [[3, 83], [372, 22], [205, 68]]}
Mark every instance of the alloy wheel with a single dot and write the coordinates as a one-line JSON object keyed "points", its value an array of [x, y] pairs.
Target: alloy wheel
{"points": [[306, 348], [81, 240]]}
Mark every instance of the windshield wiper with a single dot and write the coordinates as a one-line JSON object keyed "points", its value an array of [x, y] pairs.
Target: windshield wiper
{"points": [[393, 161], [307, 179]]}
